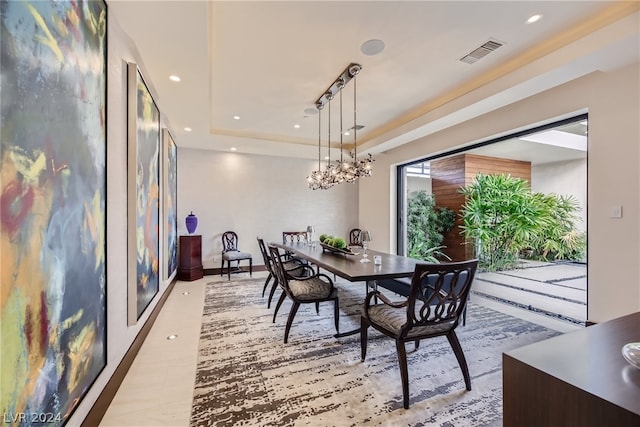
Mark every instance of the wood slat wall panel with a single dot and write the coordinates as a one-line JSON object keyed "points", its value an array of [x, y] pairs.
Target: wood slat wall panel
{"points": [[448, 175]]}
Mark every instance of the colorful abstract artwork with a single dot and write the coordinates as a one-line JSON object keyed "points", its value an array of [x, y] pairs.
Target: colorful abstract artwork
{"points": [[171, 203], [144, 194], [52, 200]]}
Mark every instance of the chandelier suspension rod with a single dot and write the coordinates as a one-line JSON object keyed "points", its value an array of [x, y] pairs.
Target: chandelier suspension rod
{"points": [[340, 127], [319, 128], [355, 124], [329, 138]]}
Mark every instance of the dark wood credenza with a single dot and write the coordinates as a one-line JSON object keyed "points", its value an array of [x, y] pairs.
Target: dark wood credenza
{"points": [[576, 379], [190, 266]]}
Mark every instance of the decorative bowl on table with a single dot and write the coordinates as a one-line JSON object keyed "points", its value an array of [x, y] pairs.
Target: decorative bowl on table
{"points": [[631, 353], [344, 251]]}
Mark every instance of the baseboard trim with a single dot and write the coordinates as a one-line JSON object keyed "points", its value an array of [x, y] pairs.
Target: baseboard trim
{"points": [[214, 271], [103, 401]]}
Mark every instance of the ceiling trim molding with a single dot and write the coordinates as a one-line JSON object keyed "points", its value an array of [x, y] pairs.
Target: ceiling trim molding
{"points": [[612, 14]]}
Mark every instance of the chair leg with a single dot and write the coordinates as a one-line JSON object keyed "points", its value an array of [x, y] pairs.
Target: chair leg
{"points": [[280, 301], [417, 342], [292, 314], [250, 267], [317, 308], [266, 283], [229, 270], [222, 267], [404, 372], [336, 315], [364, 327], [457, 349], [273, 291]]}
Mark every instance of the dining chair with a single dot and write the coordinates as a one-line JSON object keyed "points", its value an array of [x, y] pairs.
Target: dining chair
{"points": [[231, 253], [294, 267], [437, 299], [312, 289], [294, 237], [355, 238]]}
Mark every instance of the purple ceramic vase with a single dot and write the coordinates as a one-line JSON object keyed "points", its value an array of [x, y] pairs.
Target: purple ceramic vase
{"points": [[191, 222]]}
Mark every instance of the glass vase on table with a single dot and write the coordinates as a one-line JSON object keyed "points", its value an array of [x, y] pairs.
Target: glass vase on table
{"points": [[310, 234], [365, 238]]}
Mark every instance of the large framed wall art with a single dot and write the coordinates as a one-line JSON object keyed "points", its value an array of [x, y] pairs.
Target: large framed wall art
{"points": [[143, 188], [171, 201], [53, 204]]}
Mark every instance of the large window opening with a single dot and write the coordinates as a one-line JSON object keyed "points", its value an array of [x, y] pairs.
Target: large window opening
{"points": [[518, 203]]}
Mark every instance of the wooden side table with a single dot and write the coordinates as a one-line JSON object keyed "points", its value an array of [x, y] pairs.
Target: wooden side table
{"points": [[576, 379], [190, 266]]}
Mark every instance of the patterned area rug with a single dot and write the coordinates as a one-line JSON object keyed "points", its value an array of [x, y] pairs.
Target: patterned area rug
{"points": [[247, 376]]}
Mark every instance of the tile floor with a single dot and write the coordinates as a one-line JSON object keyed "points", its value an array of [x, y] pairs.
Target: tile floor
{"points": [[158, 388]]}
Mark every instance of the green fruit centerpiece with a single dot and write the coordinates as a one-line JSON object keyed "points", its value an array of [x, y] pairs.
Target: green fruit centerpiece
{"points": [[339, 243], [334, 244]]}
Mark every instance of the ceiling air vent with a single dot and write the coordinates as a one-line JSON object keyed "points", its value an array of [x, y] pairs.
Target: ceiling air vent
{"points": [[481, 52]]}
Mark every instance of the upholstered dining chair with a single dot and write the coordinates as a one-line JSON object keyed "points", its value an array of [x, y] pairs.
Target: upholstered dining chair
{"points": [[314, 289], [294, 267], [355, 238], [231, 254], [437, 299]]}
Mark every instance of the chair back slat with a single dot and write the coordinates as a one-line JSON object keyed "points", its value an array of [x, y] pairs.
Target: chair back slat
{"points": [[229, 241], [294, 237], [439, 293], [278, 266], [265, 256], [355, 237]]}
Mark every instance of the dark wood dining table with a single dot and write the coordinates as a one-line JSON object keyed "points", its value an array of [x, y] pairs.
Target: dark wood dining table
{"points": [[350, 268]]}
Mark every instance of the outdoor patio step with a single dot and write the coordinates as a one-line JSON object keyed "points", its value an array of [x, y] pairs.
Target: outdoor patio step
{"points": [[555, 307], [556, 290], [567, 274]]}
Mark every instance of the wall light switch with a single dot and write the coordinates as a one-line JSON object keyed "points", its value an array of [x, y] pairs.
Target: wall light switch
{"points": [[616, 211]]}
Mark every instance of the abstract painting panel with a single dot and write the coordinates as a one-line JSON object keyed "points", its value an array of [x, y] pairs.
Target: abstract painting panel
{"points": [[144, 194], [53, 203], [171, 203]]}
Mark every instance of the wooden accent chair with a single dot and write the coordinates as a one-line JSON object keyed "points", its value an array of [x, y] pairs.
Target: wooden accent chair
{"points": [[231, 254], [294, 267], [437, 299], [315, 289]]}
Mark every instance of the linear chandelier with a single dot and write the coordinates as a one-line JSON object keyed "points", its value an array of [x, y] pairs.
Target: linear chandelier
{"points": [[341, 170]]}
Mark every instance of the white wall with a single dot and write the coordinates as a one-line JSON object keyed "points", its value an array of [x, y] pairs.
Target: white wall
{"points": [[256, 196], [613, 176], [415, 184], [566, 178]]}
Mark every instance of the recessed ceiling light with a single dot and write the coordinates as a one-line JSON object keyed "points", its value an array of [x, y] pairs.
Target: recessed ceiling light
{"points": [[172, 337], [236, 117], [174, 78], [534, 18], [233, 149], [186, 293], [188, 129], [346, 133], [372, 47], [297, 126], [326, 157]]}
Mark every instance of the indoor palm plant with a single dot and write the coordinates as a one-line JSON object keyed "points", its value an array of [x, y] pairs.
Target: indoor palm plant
{"points": [[506, 220]]}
